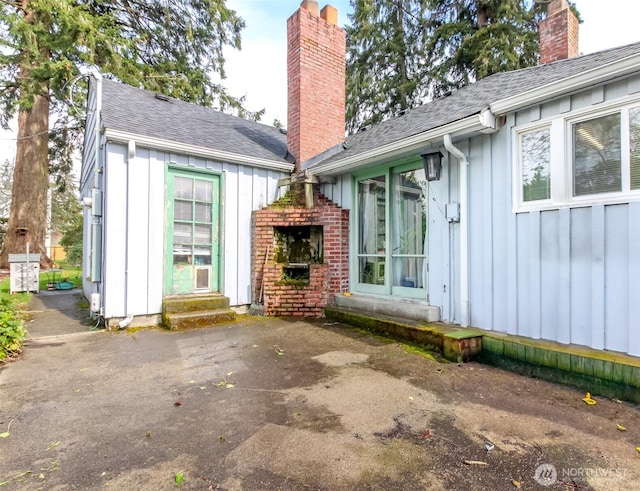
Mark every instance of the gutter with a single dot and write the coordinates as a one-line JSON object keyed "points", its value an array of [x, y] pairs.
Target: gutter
{"points": [[183, 148], [412, 144], [464, 229]]}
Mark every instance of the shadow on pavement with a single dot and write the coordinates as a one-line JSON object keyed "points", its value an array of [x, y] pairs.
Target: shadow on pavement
{"points": [[58, 313]]}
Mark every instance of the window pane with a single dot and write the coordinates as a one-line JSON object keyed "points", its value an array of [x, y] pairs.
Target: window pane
{"points": [[182, 233], [204, 191], [202, 234], [372, 270], [535, 165], [183, 211], [597, 156], [634, 131], [371, 219], [202, 255], [409, 272], [183, 187], [203, 212], [409, 217]]}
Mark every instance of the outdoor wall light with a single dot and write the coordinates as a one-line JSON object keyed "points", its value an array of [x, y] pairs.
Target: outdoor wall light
{"points": [[432, 165]]}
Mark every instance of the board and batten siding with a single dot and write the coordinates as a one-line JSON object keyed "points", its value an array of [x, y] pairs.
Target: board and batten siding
{"points": [[135, 224], [570, 274]]}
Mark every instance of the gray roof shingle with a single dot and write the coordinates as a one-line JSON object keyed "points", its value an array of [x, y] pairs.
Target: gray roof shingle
{"points": [[125, 108], [471, 99]]}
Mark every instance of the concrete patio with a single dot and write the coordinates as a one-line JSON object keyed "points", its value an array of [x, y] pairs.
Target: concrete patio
{"points": [[266, 403]]}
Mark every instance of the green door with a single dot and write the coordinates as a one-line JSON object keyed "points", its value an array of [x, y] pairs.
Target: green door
{"points": [[192, 233]]}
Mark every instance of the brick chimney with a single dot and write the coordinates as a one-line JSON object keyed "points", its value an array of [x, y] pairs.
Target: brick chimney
{"points": [[316, 60], [558, 33]]}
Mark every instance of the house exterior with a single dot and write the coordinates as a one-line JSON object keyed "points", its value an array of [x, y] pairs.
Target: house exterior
{"points": [[532, 227], [168, 189]]}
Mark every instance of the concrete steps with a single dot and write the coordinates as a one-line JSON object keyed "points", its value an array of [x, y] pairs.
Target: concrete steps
{"points": [[194, 311]]}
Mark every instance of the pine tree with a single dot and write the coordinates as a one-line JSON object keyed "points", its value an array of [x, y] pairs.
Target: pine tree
{"points": [[171, 47]]}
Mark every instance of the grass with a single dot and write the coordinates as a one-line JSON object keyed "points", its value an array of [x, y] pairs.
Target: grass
{"points": [[13, 307], [68, 273]]}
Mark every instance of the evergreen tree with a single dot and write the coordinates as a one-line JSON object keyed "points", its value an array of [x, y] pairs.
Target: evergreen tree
{"points": [[171, 47], [385, 60], [402, 52], [472, 39]]}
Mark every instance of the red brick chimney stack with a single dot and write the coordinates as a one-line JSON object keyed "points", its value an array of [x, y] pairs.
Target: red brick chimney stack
{"points": [[558, 33], [316, 60]]}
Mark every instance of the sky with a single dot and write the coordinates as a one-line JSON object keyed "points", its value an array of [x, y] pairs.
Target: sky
{"points": [[258, 71]]}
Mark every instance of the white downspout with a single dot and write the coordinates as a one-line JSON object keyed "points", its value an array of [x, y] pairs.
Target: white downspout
{"points": [[464, 229]]}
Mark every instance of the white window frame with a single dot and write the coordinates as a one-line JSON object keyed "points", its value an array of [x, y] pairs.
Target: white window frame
{"points": [[561, 149]]}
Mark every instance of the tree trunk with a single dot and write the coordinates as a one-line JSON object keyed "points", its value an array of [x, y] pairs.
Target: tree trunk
{"points": [[28, 215]]}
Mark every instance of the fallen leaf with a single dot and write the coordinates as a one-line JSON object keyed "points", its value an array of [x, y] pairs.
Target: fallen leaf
{"points": [[620, 427], [588, 400], [6, 433], [517, 484], [411, 398], [474, 462], [230, 386], [177, 403], [192, 381], [229, 374], [179, 478], [203, 387], [148, 433]]}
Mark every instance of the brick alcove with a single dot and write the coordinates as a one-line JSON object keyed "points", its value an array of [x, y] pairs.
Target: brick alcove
{"points": [[308, 255]]}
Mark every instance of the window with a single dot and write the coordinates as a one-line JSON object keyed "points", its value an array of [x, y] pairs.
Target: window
{"points": [[392, 211], [634, 137], [589, 157], [597, 160], [535, 165]]}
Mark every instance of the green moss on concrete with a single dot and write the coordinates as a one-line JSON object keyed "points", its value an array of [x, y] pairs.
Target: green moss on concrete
{"points": [[599, 372]]}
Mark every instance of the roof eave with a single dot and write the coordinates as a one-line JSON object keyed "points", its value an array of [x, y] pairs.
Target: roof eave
{"points": [[196, 151], [588, 78], [401, 148]]}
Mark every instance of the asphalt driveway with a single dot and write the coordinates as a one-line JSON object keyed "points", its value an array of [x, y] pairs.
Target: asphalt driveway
{"points": [[281, 404]]}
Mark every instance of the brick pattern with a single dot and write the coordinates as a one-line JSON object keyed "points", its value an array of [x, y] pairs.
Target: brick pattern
{"points": [[325, 281], [316, 85], [558, 33]]}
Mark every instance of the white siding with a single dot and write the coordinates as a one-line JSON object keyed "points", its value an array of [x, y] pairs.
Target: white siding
{"points": [[568, 274], [135, 224]]}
